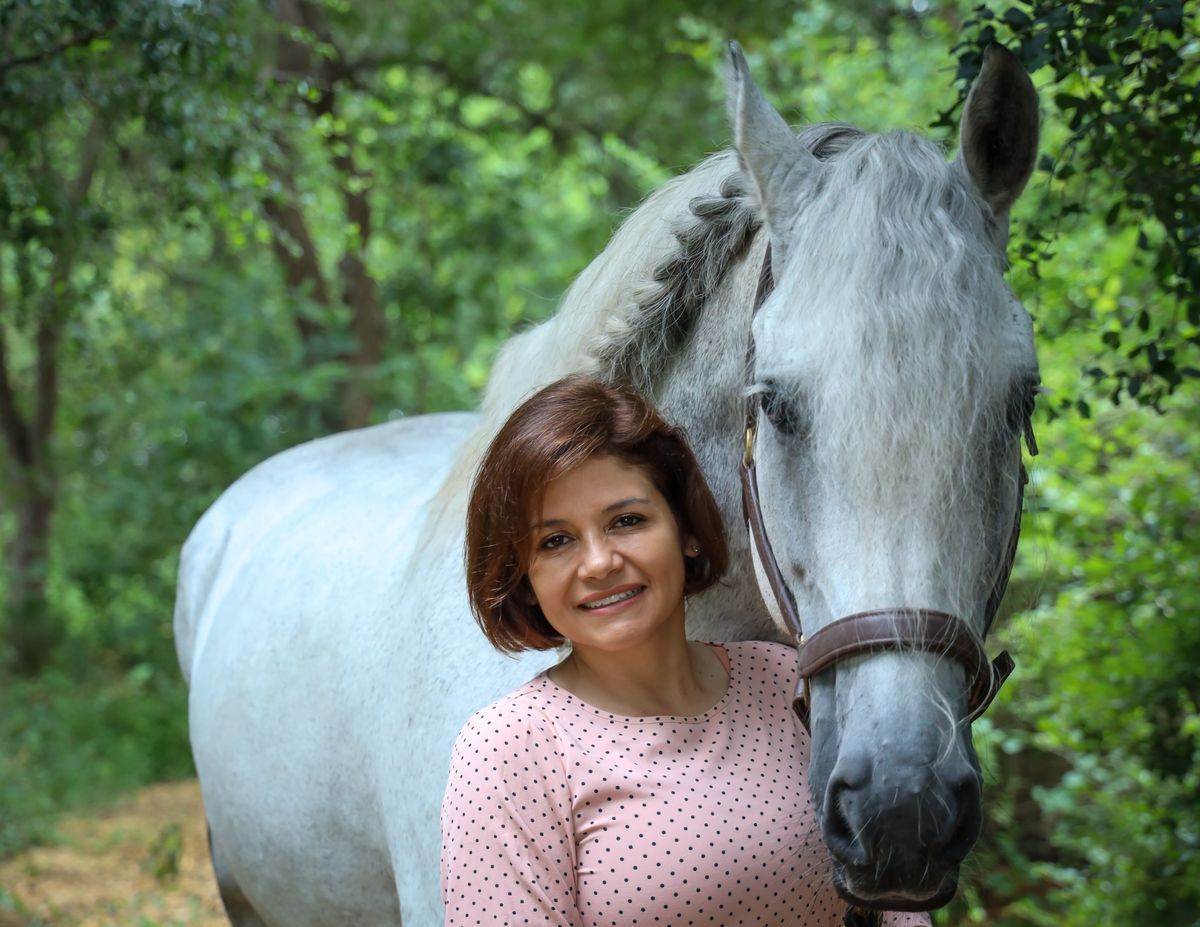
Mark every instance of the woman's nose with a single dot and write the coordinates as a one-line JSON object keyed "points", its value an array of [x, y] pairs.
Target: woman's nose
{"points": [[600, 557]]}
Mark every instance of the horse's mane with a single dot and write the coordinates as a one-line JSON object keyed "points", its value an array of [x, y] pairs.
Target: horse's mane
{"points": [[635, 304], [637, 343], [637, 301]]}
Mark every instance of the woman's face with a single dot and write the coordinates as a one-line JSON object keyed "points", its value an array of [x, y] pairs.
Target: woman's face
{"points": [[607, 560]]}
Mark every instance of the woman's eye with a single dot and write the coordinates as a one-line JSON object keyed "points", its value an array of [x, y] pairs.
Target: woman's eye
{"points": [[628, 521], [553, 542]]}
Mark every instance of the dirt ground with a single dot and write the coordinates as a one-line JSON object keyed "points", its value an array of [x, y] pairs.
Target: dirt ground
{"points": [[143, 863]]}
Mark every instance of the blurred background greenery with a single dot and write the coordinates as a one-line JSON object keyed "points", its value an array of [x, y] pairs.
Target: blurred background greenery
{"points": [[228, 227]]}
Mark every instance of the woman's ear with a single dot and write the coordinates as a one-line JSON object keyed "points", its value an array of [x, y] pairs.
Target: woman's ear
{"points": [[691, 547]]}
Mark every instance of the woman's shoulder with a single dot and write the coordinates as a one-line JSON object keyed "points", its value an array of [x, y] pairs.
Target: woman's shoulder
{"points": [[522, 712], [770, 652], [512, 741], [763, 666]]}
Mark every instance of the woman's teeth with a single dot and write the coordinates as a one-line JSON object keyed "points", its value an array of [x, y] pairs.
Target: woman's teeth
{"points": [[618, 597]]}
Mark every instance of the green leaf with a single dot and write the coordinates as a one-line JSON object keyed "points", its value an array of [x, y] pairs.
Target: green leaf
{"points": [[1017, 19]]}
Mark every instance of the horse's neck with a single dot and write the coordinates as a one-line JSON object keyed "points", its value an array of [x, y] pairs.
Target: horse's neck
{"points": [[702, 390]]}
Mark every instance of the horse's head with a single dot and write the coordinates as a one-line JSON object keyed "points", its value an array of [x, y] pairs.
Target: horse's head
{"points": [[895, 371]]}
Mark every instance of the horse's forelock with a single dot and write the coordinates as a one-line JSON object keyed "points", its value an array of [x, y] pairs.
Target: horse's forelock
{"points": [[900, 308], [637, 344]]}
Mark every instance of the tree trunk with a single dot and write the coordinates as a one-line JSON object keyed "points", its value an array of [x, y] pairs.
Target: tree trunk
{"points": [[34, 630], [294, 246]]}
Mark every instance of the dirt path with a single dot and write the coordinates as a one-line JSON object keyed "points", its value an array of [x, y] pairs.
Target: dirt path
{"points": [[103, 873]]}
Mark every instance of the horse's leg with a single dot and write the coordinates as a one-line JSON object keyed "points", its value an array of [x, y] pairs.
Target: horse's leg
{"points": [[237, 906]]}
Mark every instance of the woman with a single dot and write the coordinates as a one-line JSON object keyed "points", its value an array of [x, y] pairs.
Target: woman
{"points": [[646, 778]]}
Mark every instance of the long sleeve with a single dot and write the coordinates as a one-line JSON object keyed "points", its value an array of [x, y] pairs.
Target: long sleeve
{"points": [[508, 848]]}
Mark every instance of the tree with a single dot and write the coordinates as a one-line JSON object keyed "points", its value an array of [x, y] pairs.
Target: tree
{"points": [[1126, 81], [73, 77]]}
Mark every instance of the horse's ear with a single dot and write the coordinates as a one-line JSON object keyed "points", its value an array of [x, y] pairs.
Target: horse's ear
{"points": [[999, 130], [769, 151]]}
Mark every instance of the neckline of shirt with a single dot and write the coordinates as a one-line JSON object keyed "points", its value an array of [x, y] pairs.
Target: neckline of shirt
{"points": [[549, 685]]}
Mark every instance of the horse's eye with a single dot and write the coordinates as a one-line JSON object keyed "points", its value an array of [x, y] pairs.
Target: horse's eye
{"points": [[783, 415], [1032, 389], [1020, 405]]}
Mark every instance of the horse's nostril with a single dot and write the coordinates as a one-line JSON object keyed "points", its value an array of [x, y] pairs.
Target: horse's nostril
{"points": [[968, 819], [843, 837]]}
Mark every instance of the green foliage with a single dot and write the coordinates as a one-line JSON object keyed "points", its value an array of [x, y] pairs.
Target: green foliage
{"points": [[1102, 739], [1125, 81], [68, 742]]}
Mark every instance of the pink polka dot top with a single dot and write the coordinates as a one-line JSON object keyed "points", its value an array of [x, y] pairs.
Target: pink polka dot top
{"points": [[558, 813]]}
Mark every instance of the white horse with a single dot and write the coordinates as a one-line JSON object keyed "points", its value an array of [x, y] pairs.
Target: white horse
{"points": [[322, 622]]}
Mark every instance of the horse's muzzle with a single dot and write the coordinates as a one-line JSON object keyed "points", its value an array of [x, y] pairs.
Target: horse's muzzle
{"points": [[898, 834], [851, 887]]}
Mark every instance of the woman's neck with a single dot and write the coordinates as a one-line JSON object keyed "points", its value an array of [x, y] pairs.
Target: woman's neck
{"points": [[680, 678]]}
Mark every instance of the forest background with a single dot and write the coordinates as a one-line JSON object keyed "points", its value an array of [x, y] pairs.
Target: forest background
{"points": [[229, 227]]}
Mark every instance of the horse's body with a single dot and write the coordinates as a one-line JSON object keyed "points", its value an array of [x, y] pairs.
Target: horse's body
{"points": [[322, 621]]}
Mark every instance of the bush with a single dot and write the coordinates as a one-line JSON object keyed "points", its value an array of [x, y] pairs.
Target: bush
{"points": [[68, 743]]}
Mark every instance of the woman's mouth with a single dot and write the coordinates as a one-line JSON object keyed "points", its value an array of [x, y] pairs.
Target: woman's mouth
{"points": [[613, 599]]}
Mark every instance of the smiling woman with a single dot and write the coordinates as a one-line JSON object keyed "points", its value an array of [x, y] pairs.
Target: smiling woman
{"points": [[646, 778], [607, 571]]}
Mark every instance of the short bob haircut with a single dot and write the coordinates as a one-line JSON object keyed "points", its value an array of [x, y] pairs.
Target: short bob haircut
{"points": [[560, 427]]}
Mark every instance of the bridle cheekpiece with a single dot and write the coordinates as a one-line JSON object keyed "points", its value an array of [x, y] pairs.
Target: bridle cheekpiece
{"points": [[880, 630]]}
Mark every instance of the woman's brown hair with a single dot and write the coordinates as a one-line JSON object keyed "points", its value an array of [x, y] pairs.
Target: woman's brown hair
{"points": [[558, 428]]}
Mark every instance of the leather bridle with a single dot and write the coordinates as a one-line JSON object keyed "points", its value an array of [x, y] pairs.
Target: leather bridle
{"points": [[881, 630]]}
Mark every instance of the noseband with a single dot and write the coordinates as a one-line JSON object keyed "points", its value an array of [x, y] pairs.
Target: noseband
{"points": [[893, 629]]}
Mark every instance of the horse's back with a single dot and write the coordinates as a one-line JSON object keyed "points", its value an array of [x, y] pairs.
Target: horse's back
{"points": [[376, 478], [292, 627]]}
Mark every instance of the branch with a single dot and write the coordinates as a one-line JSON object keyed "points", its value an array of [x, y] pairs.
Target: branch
{"points": [[56, 301], [470, 84], [359, 290], [294, 61], [290, 232], [89, 161], [75, 41]]}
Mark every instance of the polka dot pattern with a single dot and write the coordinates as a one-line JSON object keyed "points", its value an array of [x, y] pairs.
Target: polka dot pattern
{"points": [[558, 813]]}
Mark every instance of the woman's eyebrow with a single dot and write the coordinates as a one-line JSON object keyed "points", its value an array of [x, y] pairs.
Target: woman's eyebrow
{"points": [[619, 504], [632, 500]]}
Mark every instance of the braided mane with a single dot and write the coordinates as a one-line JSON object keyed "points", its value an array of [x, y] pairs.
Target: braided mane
{"points": [[638, 344]]}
